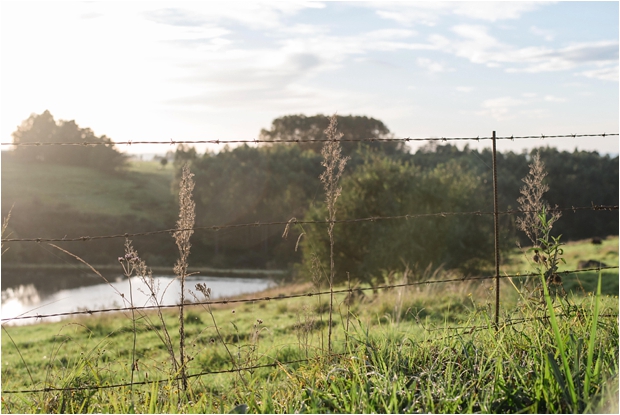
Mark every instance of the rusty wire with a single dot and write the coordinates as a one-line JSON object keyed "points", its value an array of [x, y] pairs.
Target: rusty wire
{"points": [[319, 140], [283, 297], [302, 222]]}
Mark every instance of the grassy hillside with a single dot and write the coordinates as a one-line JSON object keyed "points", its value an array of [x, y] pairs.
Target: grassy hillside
{"points": [[53, 201], [143, 191]]}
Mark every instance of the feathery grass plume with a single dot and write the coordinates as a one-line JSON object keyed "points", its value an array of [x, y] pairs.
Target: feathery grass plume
{"points": [[184, 231], [531, 202], [334, 164]]}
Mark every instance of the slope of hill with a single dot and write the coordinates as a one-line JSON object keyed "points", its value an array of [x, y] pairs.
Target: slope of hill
{"points": [[143, 191], [54, 201]]}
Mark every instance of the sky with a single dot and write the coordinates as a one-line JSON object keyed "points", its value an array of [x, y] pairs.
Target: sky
{"points": [[162, 71]]}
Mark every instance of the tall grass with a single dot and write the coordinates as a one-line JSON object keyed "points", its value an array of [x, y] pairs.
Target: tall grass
{"points": [[334, 164]]}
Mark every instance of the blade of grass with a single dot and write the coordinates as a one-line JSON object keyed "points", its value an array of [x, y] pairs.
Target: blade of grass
{"points": [[590, 374], [561, 349]]}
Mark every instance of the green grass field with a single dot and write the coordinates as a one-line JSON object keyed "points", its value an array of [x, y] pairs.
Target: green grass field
{"points": [[425, 348]]}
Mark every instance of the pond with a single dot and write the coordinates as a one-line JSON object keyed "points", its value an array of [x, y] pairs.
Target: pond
{"points": [[31, 299]]}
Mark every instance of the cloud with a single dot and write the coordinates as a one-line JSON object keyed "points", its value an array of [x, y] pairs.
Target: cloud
{"points": [[551, 98], [609, 73], [260, 15], [478, 46], [431, 66], [494, 11], [530, 105], [465, 89], [175, 17], [546, 34], [500, 108], [430, 13]]}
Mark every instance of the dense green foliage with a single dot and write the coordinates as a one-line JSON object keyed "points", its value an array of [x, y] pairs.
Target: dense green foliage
{"points": [[578, 178], [301, 127], [42, 128], [278, 182], [383, 187], [250, 185]]}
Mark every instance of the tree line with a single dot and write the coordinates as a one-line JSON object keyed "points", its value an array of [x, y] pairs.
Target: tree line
{"points": [[278, 181]]}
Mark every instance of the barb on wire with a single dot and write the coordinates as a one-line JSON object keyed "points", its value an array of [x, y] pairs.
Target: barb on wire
{"points": [[318, 140], [295, 221], [283, 297]]}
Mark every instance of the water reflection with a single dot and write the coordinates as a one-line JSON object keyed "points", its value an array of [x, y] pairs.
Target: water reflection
{"points": [[27, 300]]}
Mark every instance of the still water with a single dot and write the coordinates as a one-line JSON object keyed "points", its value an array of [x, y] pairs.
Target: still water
{"points": [[27, 300]]}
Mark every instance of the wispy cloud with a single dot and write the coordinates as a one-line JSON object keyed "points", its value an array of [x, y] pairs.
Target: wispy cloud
{"points": [[609, 73], [551, 98], [431, 66], [500, 108], [546, 34], [430, 13], [529, 105], [250, 15], [477, 45]]}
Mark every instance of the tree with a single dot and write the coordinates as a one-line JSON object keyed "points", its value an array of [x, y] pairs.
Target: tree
{"points": [[386, 187], [353, 127], [43, 128], [248, 185]]}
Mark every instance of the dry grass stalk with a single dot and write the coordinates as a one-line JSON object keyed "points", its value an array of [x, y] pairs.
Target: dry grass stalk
{"points": [[334, 164], [5, 224], [531, 202], [133, 265], [184, 231]]}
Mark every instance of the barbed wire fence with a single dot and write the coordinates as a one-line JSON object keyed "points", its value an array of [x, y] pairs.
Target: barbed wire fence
{"points": [[468, 330], [318, 140]]}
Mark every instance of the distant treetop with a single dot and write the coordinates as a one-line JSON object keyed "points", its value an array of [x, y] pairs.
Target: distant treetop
{"points": [[353, 127], [42, 128]]}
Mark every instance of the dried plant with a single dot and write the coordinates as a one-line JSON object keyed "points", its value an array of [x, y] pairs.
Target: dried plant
{"points": [[334, 164], [531, 202], [537, 223], [182, 235], [5, 224], [133, 265]]}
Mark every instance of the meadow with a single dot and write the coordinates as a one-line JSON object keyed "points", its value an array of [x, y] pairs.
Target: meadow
{"points": [[420, 348]]}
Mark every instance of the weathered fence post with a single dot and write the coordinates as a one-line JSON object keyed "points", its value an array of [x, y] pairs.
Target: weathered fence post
{"points": [[496, 220]]}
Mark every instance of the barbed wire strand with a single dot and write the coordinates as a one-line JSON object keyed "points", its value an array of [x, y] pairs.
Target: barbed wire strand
{"points": [[276, 363], [294, 221], [511, 322], [319, 140], [283, 297]]}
